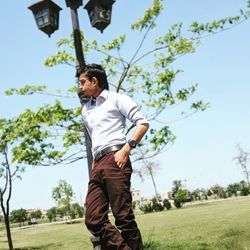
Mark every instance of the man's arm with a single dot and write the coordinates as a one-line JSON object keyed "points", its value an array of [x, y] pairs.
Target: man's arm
{"points": [[121, 156]]}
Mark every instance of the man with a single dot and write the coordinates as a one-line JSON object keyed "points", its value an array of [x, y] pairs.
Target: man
{"points": [[104, 117]]}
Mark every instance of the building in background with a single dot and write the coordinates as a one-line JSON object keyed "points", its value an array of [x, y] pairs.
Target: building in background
{"points": [[136, 198]]}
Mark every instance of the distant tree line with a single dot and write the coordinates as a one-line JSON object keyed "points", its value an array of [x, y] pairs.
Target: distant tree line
{"points": [[24, 217], [180, 195], [58, 213], [65, 210]]}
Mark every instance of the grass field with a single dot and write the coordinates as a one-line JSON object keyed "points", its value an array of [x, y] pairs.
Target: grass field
{"points": [[219, 225]]}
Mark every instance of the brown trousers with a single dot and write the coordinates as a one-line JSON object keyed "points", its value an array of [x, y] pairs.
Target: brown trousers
{"points": [[111, 185]]}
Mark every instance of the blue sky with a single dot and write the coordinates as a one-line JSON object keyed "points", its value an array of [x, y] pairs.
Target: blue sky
{"points": [[205, 145]]}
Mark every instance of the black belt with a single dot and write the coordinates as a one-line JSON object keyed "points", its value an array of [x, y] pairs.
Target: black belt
{"points": [[107, 150]]}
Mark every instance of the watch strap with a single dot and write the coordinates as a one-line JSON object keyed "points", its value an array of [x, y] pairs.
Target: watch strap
{"points": [[132, 143]]}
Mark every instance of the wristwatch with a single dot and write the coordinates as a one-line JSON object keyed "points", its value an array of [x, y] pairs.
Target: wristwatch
{"points": [[132, 143]]}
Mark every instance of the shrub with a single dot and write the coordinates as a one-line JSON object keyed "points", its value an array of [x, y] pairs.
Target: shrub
{"points": [[157, 207], [244, 191], [177, 203], [152, 206], [51, 214], [167, 204], [134, 205], [76, 211], [147, 208], [181, 197], [223, 195]]}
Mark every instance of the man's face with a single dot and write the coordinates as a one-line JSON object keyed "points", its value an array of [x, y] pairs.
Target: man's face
{"points": [[87, 86]]}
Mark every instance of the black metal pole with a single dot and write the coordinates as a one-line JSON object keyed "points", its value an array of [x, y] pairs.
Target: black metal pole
{"points": [[77, 39], [80, 62]]}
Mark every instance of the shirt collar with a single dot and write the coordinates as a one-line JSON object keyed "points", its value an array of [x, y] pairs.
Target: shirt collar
{"points": [[99, 99], [104, 94]]}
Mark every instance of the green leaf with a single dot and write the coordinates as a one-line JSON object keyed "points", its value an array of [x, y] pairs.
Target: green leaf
{"points": [[26, 90], [149, 16]]}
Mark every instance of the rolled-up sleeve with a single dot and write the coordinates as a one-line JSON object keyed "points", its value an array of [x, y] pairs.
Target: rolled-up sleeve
{"points": [[130, 110]]}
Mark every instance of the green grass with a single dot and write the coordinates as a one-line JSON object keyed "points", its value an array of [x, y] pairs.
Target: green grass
{"points": [[219, 225]]}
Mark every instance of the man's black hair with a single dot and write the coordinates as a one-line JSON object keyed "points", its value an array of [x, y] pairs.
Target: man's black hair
{"points": [[97, 71]]}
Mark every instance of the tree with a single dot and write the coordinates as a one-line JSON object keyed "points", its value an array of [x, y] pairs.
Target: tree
{"points": [[51, 214], [181, 196], [36, 214], [22, 144], [150, 84], [18, 216], [242, 160], [149, 169], [63, 194], [27, 139], [177, 184]]}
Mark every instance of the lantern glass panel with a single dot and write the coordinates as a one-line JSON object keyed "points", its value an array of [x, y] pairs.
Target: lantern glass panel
{"points": [[54, 19], [42, 17]]}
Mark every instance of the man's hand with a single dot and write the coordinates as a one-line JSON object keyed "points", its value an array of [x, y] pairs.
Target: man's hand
{"points": [[121, 156]]}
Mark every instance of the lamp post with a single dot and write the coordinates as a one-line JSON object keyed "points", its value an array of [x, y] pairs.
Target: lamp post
{"points": [[46, 14]]}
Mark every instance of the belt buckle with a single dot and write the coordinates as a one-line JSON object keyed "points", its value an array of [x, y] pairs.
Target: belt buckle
{"points": [[98, 156]]}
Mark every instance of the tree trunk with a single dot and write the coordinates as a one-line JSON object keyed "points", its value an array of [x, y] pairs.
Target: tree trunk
{"points": [[7, 226], [152, 177], [246, 172], [6, 209]]}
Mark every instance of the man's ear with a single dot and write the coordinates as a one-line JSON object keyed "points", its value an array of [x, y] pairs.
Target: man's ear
{"points": [[94, 80]]}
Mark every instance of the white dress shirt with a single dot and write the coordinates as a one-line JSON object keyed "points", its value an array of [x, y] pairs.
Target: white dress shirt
{"points": [[106, 119]]}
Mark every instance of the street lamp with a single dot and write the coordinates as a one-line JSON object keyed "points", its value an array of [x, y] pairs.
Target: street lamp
{"points": [[46, 14], [99, 13]]}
